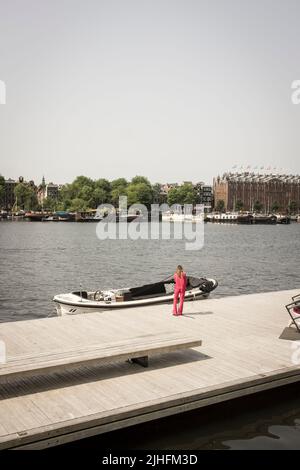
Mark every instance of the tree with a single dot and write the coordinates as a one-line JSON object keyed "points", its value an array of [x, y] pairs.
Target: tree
{"points": [[49, 204], [2, 190], [239, 205], [184, 194], [156, 192], [99, 197], [119, 183], [105, 186], [81, 181], [275, 206], [78, 205], [26, 197], [173, 196], [86, 194], [187, 194], [140, 179], [257, 207], [293, 207], [66, 195], [118, 189], [117, 193], [139, 193], [220, 205]]}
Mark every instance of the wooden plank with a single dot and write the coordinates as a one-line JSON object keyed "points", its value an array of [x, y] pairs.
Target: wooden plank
{"points": [[242, 353]]}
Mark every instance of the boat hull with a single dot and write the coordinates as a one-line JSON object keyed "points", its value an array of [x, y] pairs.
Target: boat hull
{"points": [[70, 304]]}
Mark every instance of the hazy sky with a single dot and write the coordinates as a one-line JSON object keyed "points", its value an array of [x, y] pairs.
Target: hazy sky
{"points": [[171, 89]]}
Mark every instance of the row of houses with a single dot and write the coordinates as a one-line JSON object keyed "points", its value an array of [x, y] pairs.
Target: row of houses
{"points": [[43, 191]]}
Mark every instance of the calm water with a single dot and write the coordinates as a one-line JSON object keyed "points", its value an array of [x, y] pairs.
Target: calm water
{"points": [[39, 260]]}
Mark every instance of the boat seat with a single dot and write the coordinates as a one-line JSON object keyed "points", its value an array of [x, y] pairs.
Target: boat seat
{"points": [[82, 294], [148, 289]]}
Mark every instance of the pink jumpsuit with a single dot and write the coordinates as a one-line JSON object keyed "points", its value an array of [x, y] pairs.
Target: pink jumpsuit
{"points": [[180, 286]]}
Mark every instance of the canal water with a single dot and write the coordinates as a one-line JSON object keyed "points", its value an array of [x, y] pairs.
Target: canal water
{"points": [[39, 260]]}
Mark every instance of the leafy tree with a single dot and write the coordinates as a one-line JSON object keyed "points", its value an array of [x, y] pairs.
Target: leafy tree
{"points": [[257, 207], [67, 193], [239, 205], [118, 188], [275, 206], [81, 181], [220, 205], [49, 204], [139, 193], [140, 179], [156, 191], [187, 194], [26, 196], [119, 183], [173, 196], [99, 197], [117, 193], [184, 194], [105, 187], [293, 207], [86, 193], [77, 205]]}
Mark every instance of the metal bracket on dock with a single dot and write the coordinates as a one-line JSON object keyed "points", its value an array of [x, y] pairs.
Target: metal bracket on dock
{"points": [[142, 361]]}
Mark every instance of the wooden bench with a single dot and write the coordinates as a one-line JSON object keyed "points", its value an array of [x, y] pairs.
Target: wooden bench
{"points": [[135, 350]]}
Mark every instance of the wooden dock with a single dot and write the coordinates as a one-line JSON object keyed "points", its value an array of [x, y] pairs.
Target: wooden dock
{"points": [[246, 347]]}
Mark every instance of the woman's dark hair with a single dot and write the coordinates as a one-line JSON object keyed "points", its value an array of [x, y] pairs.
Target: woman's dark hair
{"points": [[180, 267]]}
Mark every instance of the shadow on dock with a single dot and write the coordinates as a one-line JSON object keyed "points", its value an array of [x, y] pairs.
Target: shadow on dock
{"points": [[290, 334], [192, 314], [84, 374]]}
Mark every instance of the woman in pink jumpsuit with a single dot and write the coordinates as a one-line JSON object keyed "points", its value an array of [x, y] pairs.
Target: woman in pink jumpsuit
{"points": [[179, 291]]}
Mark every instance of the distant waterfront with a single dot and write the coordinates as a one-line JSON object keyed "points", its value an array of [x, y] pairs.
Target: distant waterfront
{"points": [[40, 260]]}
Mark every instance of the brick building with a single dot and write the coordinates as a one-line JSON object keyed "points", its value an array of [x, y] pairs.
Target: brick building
{"points": [[250, 190]]}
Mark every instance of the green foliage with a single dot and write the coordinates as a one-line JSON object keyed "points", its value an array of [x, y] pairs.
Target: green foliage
{"points": [[119, 183], [26, 197], [275, 206], [78, 205], [173, 197], [293, 207], [118, 189], [50, 204], [156, 192], [185, 194], [220, 205], [139, 193], [257, 206], [239, 205], [140, 179]]}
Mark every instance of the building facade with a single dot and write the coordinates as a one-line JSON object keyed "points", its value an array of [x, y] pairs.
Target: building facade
{"points": [[249, 191], [206, 196], [9, 194], [47, 191], [52, 191]]}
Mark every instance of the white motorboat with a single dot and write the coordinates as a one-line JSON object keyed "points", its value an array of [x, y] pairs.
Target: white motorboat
{"points": [[150, 294]]}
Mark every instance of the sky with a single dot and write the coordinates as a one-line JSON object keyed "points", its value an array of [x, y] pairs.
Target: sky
{"points": [[171, 89]]}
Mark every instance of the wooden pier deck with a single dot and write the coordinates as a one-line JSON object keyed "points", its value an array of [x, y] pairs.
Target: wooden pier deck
{"points": [[246, 347]]}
